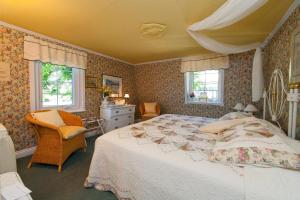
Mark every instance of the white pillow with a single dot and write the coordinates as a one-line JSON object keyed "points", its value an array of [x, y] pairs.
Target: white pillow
{"points": [[220, 126], [150, 107], [51, 117], [235, 115]]}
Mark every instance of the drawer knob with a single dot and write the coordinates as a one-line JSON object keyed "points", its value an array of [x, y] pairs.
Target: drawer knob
{"points": [[116, 127], [129, 109], [129, 116], [117, 111], [116, 119]]}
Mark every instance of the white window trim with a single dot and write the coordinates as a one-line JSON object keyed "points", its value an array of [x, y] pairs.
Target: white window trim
{"points": [[221, 86], [35, 91]]}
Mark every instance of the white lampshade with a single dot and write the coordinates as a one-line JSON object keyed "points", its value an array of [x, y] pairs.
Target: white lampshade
{"points": [[239, 107], [250, 108], [126, 95]]}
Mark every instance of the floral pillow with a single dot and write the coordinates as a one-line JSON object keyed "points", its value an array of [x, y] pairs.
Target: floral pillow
{"points": [[235, 115], [255, 143], [257, 156]]}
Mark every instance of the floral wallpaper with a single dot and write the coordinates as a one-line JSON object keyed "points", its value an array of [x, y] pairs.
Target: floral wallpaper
{"points": [[14, 94], [277, 55], [164, 83]]}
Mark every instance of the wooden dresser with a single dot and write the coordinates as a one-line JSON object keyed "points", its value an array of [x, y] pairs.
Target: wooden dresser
{"points": [[117, 116]]}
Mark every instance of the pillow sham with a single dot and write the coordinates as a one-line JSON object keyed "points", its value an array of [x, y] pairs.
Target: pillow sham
{"points": [[254, 143], [222, 125], [256, 156]]}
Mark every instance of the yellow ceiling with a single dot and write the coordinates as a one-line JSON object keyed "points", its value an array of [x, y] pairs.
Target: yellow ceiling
{"points": [[112, 27]]}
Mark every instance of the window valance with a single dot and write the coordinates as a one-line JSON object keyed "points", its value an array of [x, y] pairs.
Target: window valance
{"points": [[45, 51], [204, 62]]}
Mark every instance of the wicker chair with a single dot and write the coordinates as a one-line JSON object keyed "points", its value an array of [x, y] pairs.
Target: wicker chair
{"points": [[52, 148], [145, 116]]}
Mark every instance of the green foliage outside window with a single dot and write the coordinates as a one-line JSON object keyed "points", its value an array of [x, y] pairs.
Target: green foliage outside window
{"points": [[56, 84]]}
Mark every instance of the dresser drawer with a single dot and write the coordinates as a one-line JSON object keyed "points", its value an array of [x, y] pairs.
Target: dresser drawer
{"points": [[112, 125], [119, 118], [122, 111]]}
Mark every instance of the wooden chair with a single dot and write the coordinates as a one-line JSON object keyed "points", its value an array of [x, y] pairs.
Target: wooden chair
{"points": [[52, 148], [145, 116]]}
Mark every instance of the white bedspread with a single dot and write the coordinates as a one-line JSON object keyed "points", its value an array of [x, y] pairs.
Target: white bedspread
{"points": [[134, 168]]}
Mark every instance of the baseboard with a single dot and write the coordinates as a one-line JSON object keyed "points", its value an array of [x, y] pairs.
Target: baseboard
{"points": [[29, 151], [25, 152]]}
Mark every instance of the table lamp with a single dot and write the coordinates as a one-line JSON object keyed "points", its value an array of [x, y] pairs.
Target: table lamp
{"points": [[239, 107], [250, 109], [126, 96]]}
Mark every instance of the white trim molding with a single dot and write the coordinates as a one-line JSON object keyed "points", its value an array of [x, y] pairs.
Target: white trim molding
{"points": [[158, 61], [25, 152], [78, 85], [59, 41]]}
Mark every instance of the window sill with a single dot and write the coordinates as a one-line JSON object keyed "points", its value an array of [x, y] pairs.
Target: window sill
{"points": [[71, 110], [76, 110]]}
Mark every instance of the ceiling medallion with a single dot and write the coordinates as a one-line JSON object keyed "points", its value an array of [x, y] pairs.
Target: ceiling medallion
{"points": [[153, 30]]}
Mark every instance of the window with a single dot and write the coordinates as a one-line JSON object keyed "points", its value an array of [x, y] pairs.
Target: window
{"points": [[204, 87], [54, 86]]}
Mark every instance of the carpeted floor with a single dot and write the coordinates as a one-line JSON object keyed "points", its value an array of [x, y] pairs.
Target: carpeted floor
{"points": [[46, 183]]}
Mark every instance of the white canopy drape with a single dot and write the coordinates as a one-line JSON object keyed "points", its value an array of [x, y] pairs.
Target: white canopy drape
{"points": [[204, 62], [230, 12], [44, 51]]}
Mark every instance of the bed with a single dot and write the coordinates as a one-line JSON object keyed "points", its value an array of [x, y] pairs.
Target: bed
{"points": [[162, 165]]}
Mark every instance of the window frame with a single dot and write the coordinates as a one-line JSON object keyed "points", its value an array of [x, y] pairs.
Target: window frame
{"points": [[78, 82], [188, 84]]}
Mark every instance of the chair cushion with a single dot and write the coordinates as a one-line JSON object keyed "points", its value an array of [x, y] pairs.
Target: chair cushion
{"points": [[69, 132], [150, 115], [150, 107], [51, 117]]}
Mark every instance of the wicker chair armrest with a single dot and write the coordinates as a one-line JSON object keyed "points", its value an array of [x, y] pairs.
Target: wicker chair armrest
{"points": [[70, 119]]}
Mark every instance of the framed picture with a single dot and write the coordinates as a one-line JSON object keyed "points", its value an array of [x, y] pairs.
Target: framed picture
{"points": [[294, 74], [114, 83], [90, 82]]}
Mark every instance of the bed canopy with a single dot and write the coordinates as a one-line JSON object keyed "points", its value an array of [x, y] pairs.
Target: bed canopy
{"points": [[229, 13]]}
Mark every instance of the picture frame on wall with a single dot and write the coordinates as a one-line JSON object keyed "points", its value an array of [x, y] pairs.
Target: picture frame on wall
{"points": [[114, 83], [294, 71], [90, 82]]}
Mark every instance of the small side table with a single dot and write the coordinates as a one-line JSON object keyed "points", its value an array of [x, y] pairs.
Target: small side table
{"points": [[96, 123]]}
